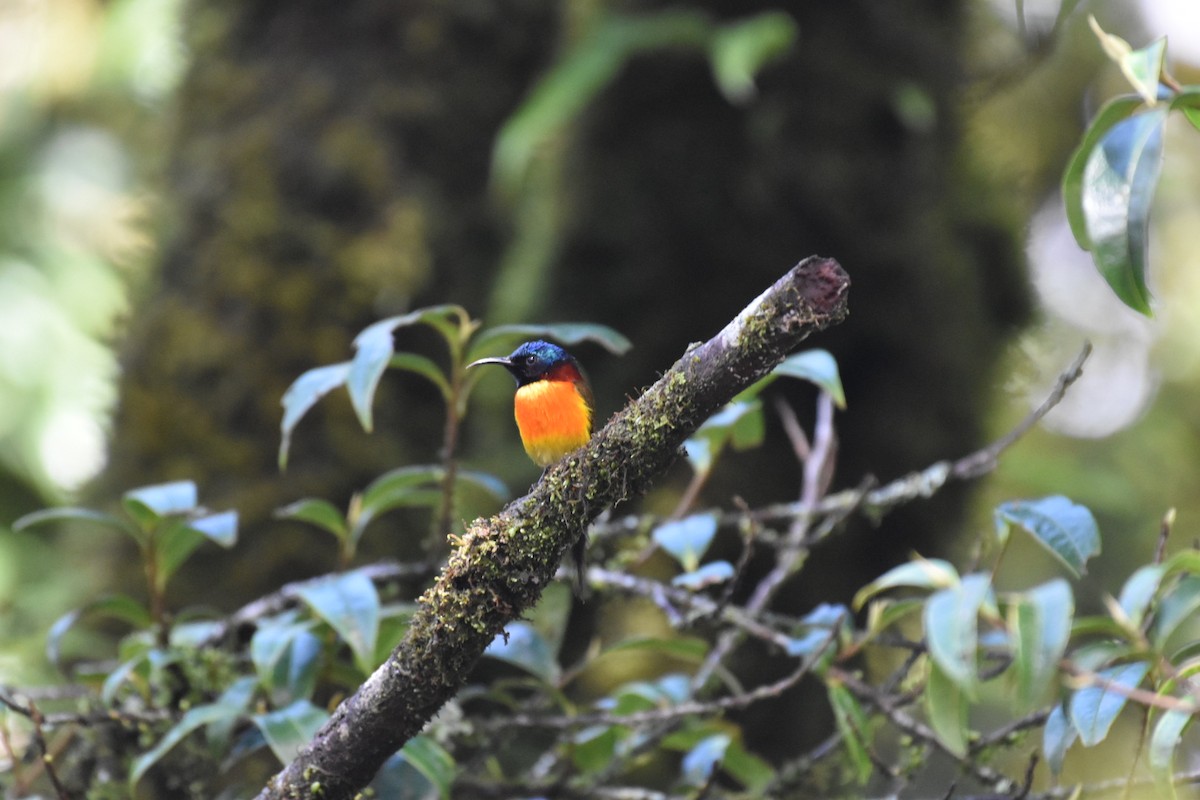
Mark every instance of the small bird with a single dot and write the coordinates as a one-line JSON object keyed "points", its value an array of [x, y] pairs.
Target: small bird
{"points": [[553, 405]]}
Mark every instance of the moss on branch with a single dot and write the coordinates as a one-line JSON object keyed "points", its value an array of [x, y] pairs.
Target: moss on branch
{"points": [[500, 565]]}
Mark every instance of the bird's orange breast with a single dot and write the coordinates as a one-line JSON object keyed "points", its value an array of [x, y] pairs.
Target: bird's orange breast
{"points": [[553, 417]]}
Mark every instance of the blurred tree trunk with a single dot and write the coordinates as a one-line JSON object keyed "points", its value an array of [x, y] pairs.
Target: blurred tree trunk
{"points": [[331, 168]]}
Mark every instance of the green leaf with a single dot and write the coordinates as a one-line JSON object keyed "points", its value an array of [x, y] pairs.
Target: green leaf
{"points": [[220, 528], [302, 395], [290, 728], [286, 655], [1118, 186], [315, 511], [1166, 737], [705, 445], [416, 486], [521, 645], [114, 606], [506, 337], [165, 499], [1187, 561], [923, 573], [686, 539], [946, 704], [701, 761], [1138, 592], [349, 603], [1177, 605], [952, 628], [685, 648], [1057, 737], [746, 768], [1110, 114], [75, 515], [569, 86], [431, 760], [741, 49], [824, 622], [711, 574], [236, 698], [1066, 529], [818, 367], [426, 368], [194, 718], [1041, 621], [882, 614], [594, 748], [1093, 709], [176, 541], [855, 729], [1143, 67]]}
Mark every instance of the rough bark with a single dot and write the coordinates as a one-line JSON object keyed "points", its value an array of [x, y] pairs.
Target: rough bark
{"points": [[501, 565]]}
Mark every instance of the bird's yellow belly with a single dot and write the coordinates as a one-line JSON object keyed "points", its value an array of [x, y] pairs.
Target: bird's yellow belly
{"points": [[553, 420]]}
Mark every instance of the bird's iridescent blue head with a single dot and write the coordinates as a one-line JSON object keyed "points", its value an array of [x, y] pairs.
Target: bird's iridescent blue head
{"points": [[531, 361]]}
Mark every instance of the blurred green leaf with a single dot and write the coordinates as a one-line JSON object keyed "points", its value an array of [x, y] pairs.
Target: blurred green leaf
{"points": [[522, 646], [1057, 737], [1066, 529], [818, 367], [1188, 101], [320, 513], [852, 723], [923, 573], [236, 699], [290, 728], [506, 337], [686, 648], [686, 539], [175, 542], [569, 87], [397, 779], [952, 628], [741, 49], [349, 603], [1177, 605], [191, 720], [1139, 591], [220, 528], [1041, 621], [1110, 114], [425, 367], [1141, 67], [302, 395], [882, 614], [1166, 737], [594, 747], [431, 760], [1093, 709], [701, 761], [375, 345], [711, 574], [738, 422], [76, 515], [1118, 186], [746, 768], [114, 606], [946, 703], [165, 499], [286, 655]]}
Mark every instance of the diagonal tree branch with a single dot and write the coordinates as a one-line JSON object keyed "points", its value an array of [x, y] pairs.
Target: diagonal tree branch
{"points": [[500, 565]]}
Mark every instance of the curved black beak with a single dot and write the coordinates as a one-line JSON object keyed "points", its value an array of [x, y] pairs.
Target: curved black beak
{"points": [[504, 362]]}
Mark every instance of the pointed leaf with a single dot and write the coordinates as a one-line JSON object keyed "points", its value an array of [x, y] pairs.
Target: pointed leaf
{"points": [[711, 574], [1110, 114], [220, 528], [685, 648], [194, 718], [302, 395], [1118, 186], [923, 573], [1066, 529], [75, 515], [286, 655], [116, 606], [1167, 733], [315, 511], [852, 723], [818, 367], [952, 628], [349, 603], [506, 337], [946, 704], [741, 49], [148, 504], [290, 728], [1138, 592], [1143, 69], [1177, 605], [521, 645], [1041, 620], [431, 760], [701, 761], [1057, 737], [426, 368], [686, 539], [236, 698], [1093, 709]]}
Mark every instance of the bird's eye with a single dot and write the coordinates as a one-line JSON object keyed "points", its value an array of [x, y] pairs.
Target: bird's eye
{"points": [[530, 359]]}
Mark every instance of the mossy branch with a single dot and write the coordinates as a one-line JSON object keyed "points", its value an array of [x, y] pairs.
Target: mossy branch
{"points": [[500, 566]]}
